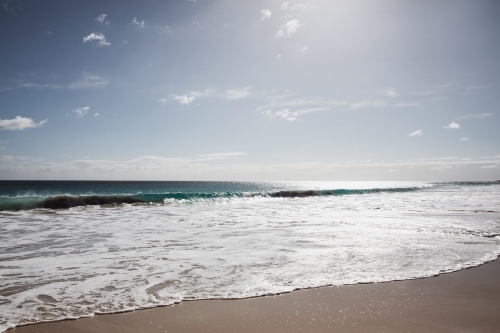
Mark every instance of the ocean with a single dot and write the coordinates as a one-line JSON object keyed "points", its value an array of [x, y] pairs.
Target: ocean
{"points": [[73, 249]]}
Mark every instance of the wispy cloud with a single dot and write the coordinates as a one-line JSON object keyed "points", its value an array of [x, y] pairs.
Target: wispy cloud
{"points": [[238, 93], [14, 159], [285, 5], [198, 24], [464, 139], [477, 87], [157, 167], [87, 81], [97, 36], [287, 115], [266, 14], [452, 125], [309, 110], [288, 29], [183, 99], [224, 155], [278, 56], [102, 19], [303, 50], [210, 92], [285, 100], [229, 94], [368, 104], [298, 6], [390, 93], [417, 132], [140, 24], [284, 114], [491, 166], [19, 123], [300, 106], [96, 114], [165, 29], [11, 7], [474, 116], [442, 167], [80, 112]]}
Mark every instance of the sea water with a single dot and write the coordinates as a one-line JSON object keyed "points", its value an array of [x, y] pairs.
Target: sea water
{"points": [[75, 249]]}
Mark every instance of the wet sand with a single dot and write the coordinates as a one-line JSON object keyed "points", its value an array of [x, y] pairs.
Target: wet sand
{"points": [[464, 301]]}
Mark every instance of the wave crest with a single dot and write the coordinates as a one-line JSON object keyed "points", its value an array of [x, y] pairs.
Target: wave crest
{"points": [[69, 201]]}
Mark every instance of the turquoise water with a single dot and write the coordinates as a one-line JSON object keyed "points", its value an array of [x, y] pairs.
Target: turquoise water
{"points": [[22, 195]]}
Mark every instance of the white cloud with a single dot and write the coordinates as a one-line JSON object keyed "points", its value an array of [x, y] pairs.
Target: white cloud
{"points": [[19, 123], [298, 6], [96, 114], [304, 49], [464, 139], [163, 168], [442, 167], [417, 132], [87, 81], [140, 24], [390, 93], [266, 14], [475, 116], [165, 29], [267, 113], [80, 112], [452, 126], [238, 93], [198, 24], [287, 114], [184, 99], [285, 5], [278, 56], [97, 36], [302, 106], [491, 166], [309, 110], [102, 18], [224, 155], [204, 93], [288, 29], [368, 104], [14, 159]]}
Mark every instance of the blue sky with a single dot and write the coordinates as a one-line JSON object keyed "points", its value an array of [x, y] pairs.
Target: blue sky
{"points": [[250, 90]]}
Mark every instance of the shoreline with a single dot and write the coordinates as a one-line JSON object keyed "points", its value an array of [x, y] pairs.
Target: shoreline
{"points": [[468, 299]]}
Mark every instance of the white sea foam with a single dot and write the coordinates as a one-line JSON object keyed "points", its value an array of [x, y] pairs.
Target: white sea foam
{"points": [[87, 260]]}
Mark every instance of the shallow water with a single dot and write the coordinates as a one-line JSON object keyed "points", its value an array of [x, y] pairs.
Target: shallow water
{"points": [[76, 262]]}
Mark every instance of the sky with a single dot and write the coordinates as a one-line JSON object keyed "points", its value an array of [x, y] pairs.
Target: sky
{"points": [[250, 90]]}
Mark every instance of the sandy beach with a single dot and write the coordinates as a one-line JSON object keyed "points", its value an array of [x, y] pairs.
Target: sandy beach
{"points": [[463, 301]]}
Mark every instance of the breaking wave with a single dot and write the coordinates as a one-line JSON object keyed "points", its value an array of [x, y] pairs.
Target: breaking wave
{"points": [[69, 201]]}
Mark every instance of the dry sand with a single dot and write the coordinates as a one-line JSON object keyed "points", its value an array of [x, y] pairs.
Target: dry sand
{"points": [[464, 301]]}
